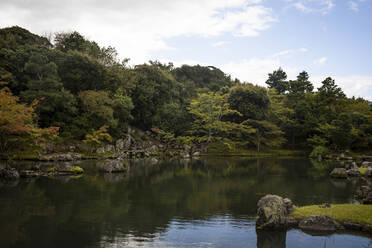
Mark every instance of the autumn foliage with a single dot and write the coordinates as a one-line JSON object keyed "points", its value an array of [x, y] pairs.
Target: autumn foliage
{"points": [[17, 126]]}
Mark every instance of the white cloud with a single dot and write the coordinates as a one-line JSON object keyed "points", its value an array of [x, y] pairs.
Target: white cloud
{"points": [[313, 6], [320, 61], [220, 43], [138, 27], [289, 52], [352, 85]]}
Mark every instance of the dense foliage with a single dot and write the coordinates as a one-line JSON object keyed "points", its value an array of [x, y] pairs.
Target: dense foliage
{"points": [[85, 90]]}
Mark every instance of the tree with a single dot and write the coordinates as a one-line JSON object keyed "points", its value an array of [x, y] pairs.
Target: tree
{"points": [[251, 101], [300, 86], [97, 137], [277, 81], [209, 110], [55, 103], [329, 92], [265, 133], [97, 106], [17, 127]]}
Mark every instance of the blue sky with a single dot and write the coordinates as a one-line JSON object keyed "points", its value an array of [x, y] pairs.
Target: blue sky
{"points": [[245, 38]]}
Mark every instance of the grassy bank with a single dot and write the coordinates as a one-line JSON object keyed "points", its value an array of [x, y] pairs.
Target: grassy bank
{"points": [[358, 214]]}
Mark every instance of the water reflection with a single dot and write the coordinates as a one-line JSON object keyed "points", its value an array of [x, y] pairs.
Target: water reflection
{"points": [[209, 202], [271, 239]]}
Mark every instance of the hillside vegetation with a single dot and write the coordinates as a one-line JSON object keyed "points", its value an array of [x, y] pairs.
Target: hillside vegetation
{"points": [[71, 89]]}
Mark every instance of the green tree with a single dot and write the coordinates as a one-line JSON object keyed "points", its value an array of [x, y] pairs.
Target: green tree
{"points": [[278, 81], [208, 110], [55, 103], [251, 101], [265, 134]]}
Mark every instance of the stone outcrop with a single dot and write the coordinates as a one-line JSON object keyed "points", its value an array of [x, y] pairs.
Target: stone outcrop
{"points": [[62, 157], [272, 211], [320, 223], [339, 173], [353, 173], [364, 194], [9, 174]]}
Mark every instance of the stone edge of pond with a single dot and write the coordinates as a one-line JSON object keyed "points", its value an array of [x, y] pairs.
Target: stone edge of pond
{"points": [[275, 213]]}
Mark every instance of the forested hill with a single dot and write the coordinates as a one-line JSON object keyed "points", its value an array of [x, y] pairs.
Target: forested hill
{"points": [[73, 89]]}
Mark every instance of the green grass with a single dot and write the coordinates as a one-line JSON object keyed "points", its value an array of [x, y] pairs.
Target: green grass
{"points": [[77, 169], [362, 170], [359, 214]]}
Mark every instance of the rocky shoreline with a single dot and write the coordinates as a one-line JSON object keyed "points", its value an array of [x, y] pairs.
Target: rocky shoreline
{"points": [[275, 213]]}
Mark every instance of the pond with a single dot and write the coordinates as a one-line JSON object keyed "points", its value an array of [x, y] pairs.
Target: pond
{"points": [[209, 202]]}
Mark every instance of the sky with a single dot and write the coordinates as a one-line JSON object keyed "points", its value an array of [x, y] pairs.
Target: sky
{"points": [[245, 38]]}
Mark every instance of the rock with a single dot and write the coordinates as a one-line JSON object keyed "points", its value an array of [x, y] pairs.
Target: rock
{"points": [[353, 173], [100, 150], [289, 205], [119, 144], [196, 154], [291, 222], [339, 173], [184, 155], [271, 212], [319, 223], [153, 149], [368, 172], [366, 164], [352, 226], [111, 166], [9, 174], [354, 165], [63, 157]]}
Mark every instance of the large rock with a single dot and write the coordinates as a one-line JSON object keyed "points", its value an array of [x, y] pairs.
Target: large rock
{"points": [[9, 174], [364, 194], [339, 173], [366, 164], [353, 173], [111, 166], [368, 172], [320, 223], [63, 157], [271, 212]]}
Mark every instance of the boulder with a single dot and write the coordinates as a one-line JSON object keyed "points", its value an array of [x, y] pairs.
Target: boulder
{"points": [[364, 194], [271, 212], [289, 205], [111, 166], [63, 157], [368, 172], [339, 173], [366, 164], [320, 223], [9, 174], [196, 154], [119, 144], [353, 173]]}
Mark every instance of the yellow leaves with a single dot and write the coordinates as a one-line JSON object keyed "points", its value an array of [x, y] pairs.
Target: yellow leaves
{"points": [[98, 136]]}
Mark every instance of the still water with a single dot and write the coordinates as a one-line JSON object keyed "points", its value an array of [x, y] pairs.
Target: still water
{"points": [[209, 202]]}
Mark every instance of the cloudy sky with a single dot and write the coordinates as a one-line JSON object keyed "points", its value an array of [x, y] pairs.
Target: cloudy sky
{"points": [[245, 38]]}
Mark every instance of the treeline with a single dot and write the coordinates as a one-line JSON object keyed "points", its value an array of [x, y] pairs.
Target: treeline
{"points": [[82, 90]]}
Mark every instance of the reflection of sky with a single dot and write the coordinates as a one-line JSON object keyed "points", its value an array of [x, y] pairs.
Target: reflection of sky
{"points": [[224, 231]]}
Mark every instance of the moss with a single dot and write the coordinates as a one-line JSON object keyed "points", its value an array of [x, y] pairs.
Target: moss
{"points": [[77, 169], [362, 170], [358, 214], [51, 169]]}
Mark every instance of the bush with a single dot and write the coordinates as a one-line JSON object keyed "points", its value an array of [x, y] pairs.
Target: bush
{"points": [[319, 150]]}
